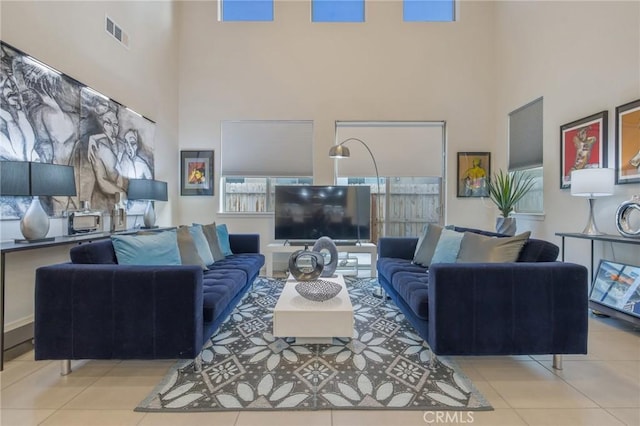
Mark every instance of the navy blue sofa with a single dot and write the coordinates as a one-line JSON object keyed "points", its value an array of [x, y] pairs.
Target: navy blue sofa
{"points": [[93, 308], [529, 307]]}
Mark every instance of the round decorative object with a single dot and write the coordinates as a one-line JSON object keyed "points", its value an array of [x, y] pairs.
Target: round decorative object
{"points": [[318, 290], [623, 217], [305, 265], [327, 244]]}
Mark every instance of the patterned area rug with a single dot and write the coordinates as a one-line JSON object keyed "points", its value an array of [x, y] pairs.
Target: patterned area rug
{"points": [[384, 366]]}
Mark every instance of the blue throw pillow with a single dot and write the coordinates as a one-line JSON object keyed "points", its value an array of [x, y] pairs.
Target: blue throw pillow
{"points": [[202, 245], [159, 248], [448, 247], [223, 239]]}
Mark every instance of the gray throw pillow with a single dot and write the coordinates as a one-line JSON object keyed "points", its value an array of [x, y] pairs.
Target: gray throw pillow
{"points": [[476, 248], [187, 247], [427, 245], [211, 234]]}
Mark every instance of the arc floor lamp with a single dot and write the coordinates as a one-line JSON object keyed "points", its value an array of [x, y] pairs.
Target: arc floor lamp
{"points": [[339, 151]]}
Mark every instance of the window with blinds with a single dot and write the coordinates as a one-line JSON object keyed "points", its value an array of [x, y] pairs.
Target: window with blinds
{"points": [[256, 155], [525, 152]]}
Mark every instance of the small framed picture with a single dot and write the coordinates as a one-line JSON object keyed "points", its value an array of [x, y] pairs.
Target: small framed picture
{"points": [[474, 170], [628, 143], [583, 144], [196, 172]]}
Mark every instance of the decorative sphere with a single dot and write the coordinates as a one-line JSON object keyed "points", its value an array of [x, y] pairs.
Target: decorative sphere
{"points": [[306, 265]]}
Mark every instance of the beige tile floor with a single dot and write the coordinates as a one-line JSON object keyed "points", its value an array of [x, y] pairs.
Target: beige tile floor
{"points": [[601, 388]]}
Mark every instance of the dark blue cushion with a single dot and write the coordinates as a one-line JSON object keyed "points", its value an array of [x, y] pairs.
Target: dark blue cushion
{"points": [[250, 263], [538, 251], [389, 266], [99, 252], [413, 287], [219, 287]]}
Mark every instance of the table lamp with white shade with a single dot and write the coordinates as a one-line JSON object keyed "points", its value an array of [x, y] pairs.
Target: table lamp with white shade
{"points": [[592, 183]]}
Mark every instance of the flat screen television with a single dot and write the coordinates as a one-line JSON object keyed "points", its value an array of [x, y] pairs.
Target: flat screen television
{"points": [[306, 213]]}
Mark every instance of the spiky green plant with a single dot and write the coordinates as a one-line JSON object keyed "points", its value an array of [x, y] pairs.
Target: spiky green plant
{"points": [[506, 189]]}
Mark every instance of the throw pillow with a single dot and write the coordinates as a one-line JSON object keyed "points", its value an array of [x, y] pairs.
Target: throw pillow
{"points": [[223, 239], [202, 245], [187, 247], [448, 246], [159, 248], [476, 248], [211, 235], [427, 245]]}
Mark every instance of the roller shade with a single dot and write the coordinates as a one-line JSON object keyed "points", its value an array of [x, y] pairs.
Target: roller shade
{"points": [[402, 149], [525, 136], [266, 148]]}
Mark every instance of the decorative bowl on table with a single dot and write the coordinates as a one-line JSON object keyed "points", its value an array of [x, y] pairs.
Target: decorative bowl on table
{"points": [[318, 290]]}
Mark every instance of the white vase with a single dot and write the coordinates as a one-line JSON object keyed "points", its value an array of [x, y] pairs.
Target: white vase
{"points": [[506, 225]]}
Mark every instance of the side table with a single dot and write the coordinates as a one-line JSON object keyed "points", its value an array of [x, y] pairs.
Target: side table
{"points": [[618, 239]]}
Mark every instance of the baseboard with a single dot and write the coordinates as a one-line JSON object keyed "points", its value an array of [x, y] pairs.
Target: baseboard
{"points": [[18, 335]]}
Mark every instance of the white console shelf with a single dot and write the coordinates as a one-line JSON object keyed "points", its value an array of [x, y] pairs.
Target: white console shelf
{"points": [[354, 248]]}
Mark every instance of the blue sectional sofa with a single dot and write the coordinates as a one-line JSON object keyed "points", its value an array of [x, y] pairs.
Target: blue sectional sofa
{"points": [[94, 308], [532, 306]]}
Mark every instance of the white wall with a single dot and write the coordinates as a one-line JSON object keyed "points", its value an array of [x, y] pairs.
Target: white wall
{"points": [[70, 37], [379, 70], [582, 57]]}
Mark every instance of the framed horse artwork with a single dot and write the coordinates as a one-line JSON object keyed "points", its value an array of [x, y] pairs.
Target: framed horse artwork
{"points": [[583, 144], [628, 143]]}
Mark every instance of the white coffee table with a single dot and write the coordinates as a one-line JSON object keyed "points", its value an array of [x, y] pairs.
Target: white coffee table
{"points": [[309, 321]]}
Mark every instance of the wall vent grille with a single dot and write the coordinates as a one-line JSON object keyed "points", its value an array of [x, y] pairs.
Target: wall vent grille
{"points": [[116, 32]]}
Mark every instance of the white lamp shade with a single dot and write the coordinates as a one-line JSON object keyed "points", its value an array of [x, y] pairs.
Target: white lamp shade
{"points": [[592, 182]]}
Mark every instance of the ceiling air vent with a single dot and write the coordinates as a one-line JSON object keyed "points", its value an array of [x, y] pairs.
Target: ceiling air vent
{"points": [[116, 32]]}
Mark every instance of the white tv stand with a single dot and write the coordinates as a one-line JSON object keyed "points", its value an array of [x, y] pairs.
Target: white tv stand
{"points": [[357, 248]]}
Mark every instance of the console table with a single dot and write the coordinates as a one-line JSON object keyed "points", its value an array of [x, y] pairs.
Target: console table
{"points": [[272, 248], [609, 239]]}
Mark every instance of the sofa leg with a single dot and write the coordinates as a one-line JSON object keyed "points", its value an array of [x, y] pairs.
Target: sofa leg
{"points": [[380, 293], [197, 364], [432, 358], [557, 362], [65, 367]]}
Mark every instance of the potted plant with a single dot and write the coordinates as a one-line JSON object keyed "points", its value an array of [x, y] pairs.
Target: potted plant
{"points": [[505, 190]]}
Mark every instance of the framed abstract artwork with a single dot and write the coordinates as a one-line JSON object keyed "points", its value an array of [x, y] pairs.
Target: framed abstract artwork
{"points": [[196, 172], [583, 144], [617, 285], [47, 116], [628, 143], [474, 169]]}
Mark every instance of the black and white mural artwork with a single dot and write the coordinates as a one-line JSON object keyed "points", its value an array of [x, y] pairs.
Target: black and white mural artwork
{"points": [[49, 117]]}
